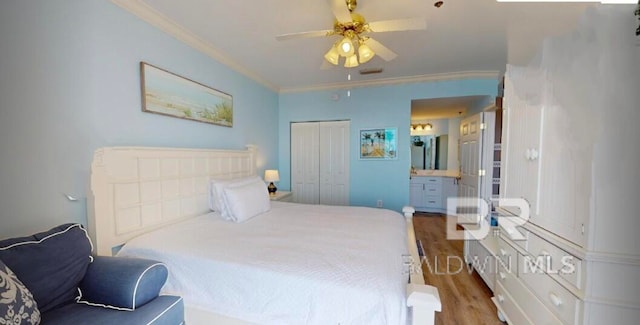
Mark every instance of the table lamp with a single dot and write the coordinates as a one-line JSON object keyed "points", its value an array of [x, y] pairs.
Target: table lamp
{"points": [[271, 175]]}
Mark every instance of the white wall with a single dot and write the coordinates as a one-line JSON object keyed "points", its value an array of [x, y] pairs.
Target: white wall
{"points": [[453, 159], [69, 83]]}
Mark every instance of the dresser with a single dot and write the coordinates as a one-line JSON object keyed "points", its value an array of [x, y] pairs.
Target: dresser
{"points": [[568, 160]]}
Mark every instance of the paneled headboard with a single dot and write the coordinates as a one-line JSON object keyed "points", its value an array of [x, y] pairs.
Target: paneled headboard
{"points": [[137, 189]]}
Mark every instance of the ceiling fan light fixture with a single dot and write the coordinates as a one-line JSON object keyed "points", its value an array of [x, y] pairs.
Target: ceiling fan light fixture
{"points": [[365, 53], [345, 47], [351, 62], [332, 56]]}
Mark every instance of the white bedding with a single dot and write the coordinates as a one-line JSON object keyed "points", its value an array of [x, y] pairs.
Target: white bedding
{"points": [[296, 264]]}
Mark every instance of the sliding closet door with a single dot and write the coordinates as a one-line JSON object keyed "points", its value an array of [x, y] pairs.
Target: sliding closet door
{"points": [[305, 170], [320, 162], [334, 163]]}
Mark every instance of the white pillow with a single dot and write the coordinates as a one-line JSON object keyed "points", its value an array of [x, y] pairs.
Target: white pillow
{"points": [[216, 191], [246, 201]]}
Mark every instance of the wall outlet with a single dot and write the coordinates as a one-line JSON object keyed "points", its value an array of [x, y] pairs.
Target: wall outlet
{"points": [[379, 204]]}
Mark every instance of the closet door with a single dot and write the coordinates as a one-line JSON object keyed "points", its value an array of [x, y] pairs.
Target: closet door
{"points": [[320, 162], [334, 163], [305, 169]]}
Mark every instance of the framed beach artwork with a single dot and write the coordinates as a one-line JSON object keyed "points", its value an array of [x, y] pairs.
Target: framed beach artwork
{"points": [[169, 94], [378, 144]]}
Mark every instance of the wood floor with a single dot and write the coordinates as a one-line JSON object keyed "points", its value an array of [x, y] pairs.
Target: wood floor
{"points": [[465, 297]]}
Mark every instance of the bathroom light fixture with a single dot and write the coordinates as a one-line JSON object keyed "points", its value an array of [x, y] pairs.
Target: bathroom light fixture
{"points": [[421, 127]]}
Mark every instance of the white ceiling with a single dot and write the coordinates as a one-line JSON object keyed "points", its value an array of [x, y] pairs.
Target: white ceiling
{"points": [[464, 38]]}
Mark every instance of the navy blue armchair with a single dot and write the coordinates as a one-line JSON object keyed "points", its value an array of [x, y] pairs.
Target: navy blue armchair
{"points": [[52, 278]]}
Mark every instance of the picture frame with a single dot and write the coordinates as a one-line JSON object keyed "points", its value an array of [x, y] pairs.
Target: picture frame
{"points": [[169, 94], [379, 144]]}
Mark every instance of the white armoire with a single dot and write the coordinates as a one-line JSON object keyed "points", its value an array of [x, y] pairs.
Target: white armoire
{"points": [[570, 153], [320, 162]]}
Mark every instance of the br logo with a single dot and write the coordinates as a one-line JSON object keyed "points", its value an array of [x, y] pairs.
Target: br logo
{"points": [[471, 214]]}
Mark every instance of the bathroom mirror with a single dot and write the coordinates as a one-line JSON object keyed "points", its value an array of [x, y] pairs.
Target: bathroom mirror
{"points": [[422, 153]]}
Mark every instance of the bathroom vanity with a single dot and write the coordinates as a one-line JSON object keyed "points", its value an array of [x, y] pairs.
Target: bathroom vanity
{"points": [[431, 188]]}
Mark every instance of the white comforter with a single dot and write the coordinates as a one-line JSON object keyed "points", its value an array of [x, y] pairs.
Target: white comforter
{"points": [[296, 264]]}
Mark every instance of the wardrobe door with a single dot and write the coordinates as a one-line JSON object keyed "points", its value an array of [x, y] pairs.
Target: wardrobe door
{"points": [[334, 163], [320, 162], [305, 160], [520, 148]]}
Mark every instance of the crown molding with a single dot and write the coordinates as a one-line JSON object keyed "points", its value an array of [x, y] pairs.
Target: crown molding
{"points": [[145, 12], [396, 81]]}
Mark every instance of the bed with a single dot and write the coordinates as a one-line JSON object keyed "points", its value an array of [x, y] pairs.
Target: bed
{"points": [[292, 264]]}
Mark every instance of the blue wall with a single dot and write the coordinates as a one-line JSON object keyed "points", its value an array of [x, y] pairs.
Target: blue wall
{"points": [[69, 83], [374, 107]]}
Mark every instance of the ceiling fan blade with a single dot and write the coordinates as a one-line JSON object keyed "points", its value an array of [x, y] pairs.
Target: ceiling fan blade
{"points": [[384, 52], [340, 10], [398, 25], [315, 33]]}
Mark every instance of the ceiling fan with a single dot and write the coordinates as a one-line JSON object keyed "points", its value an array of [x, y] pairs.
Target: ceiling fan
{"points": [[353, 29]]}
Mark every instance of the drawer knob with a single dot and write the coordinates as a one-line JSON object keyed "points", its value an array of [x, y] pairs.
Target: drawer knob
{"points": [[502, 275], [555, 299], [501, 298], [503, 252]]}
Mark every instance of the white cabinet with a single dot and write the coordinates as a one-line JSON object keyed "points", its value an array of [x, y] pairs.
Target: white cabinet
{"points": [[416, 194], [430, 193], [481, 255], [576, 264], [538, 165]]}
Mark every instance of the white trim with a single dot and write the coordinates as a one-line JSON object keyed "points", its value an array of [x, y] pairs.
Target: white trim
{"points": [[52, 235], [165, 310], [601, 257], [396, 81], [612, 302], [84, 302], [135, 290]]}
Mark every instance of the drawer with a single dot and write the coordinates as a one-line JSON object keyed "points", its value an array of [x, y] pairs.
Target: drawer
{"points": [[522, 243], [532, 307], [433, 180], [433, 201], [509, 308], [431, 189], [507, 255], [554, 296], [556, 260]]}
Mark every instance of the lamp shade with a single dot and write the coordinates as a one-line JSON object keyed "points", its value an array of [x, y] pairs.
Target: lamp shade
{"points": [[365, 53], [332, 55], [351, 62], [345, 47], [271, 175]]}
